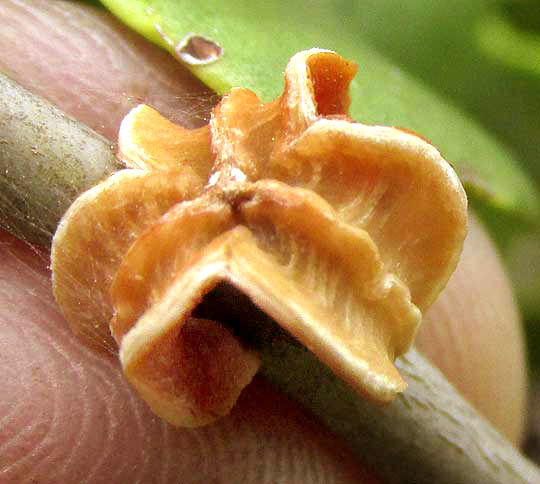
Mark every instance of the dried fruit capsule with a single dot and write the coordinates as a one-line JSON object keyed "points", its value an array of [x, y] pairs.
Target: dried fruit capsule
{"points": [[342, 233]]}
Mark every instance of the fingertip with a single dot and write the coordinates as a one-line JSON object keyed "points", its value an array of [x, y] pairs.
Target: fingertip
{"points": [[473, 334]]}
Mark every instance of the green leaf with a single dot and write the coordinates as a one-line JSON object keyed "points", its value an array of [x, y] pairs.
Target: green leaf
{"points": [[258, 38]]}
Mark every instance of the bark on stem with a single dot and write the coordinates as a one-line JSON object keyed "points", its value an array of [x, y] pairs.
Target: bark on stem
{"points": [[46, 160], [429, 434]]}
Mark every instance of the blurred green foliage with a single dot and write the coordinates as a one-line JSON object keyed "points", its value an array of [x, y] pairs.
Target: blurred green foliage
{"points": [[484, 55]]}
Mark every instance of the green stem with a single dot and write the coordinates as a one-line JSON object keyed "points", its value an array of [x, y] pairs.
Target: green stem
{"points": [[46, 160], [429, 434]]}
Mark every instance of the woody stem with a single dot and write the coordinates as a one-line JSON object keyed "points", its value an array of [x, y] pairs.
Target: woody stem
{"points": [[46, 160]]}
